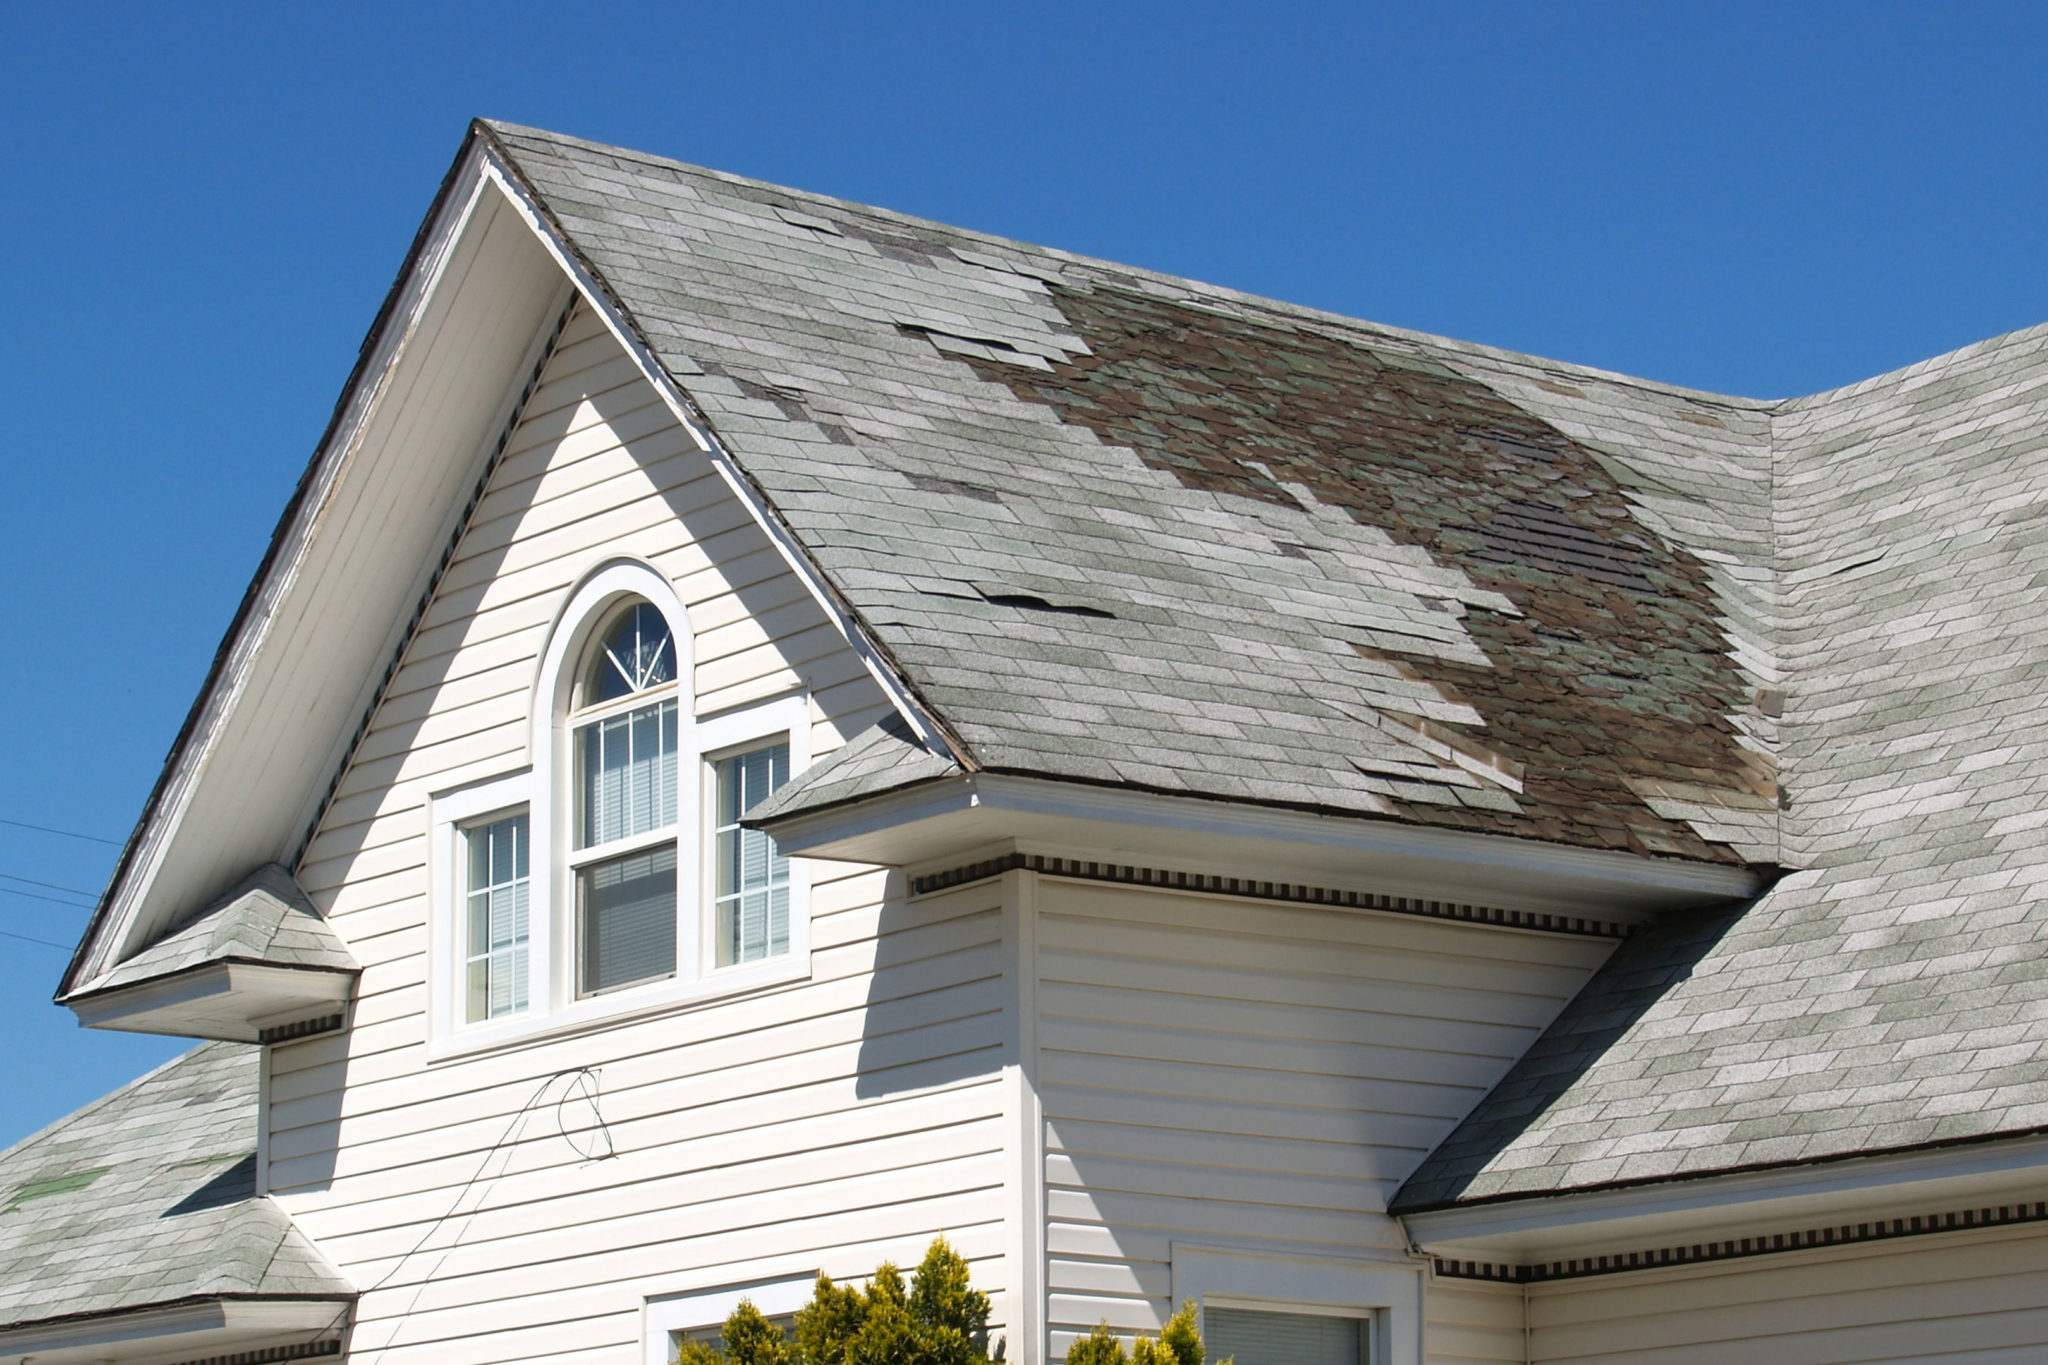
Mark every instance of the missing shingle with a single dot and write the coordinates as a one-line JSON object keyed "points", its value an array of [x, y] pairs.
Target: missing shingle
{"points": [[1024, 601], [1540, 537], [932, 483]]}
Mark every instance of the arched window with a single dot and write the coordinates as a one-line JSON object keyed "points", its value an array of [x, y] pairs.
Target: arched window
{"points": [[612, 875], [625, 731]]}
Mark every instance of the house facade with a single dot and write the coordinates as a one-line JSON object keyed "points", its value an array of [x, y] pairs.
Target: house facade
{"points": [[771, 731]]}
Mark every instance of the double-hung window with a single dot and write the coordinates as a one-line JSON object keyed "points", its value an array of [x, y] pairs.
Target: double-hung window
{"points": [[613, 876], [623, 860]]}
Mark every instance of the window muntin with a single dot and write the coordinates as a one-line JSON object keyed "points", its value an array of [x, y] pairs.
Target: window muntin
{"points": [[497, 903], [636, 654], [627, 745], [1261, 1337], [752, 885]]}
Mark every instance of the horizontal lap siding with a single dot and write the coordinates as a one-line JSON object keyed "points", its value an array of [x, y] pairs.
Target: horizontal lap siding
{"points": [[821, 1125], [1249, 1074], [1959, 1299], [1474, 1324]]}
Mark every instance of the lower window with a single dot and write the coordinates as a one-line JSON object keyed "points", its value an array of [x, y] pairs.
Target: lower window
{"points": [[1259, 1337], [752, 891], [498, 902]]}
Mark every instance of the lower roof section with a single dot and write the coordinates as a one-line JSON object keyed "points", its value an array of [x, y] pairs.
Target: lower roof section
{"points": [[1793, 1207], [171, 1334], [132, 1231]]}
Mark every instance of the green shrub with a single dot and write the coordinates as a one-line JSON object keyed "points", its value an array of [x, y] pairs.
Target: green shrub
{"points": [[1179, 1343], [940, 1319]]}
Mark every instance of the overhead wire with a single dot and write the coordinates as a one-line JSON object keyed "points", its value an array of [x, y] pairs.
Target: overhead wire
{"points": [[66, 833]]}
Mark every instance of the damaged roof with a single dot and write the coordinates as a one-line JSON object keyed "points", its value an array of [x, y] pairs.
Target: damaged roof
{"points": [[148, 1197], [1125, 529], [1120, 528]]}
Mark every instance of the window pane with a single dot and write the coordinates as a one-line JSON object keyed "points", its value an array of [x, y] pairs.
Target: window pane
{"points": [[626, 774], [495, 927], [635, 653], [752, 881], [1261, 1338], [628, 919]]}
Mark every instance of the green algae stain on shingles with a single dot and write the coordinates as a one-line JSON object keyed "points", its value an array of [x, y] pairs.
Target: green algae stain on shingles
{"points": [[1617, 668]]}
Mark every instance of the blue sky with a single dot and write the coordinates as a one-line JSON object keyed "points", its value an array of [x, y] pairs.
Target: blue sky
{"points": [[204, 204]]}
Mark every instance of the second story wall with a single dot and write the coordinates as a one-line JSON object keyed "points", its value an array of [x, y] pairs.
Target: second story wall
{"points": [[528, 1200]]}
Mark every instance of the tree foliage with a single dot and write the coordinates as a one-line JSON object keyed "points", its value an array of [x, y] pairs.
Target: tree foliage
{"points": [[939, 1318], [1178, 1343]]}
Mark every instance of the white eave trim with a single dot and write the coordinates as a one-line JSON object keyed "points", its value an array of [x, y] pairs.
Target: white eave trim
{"points": [[229, 1000], [849, 627], [1605, 878], [161, 1332], [1636, 1216], [330, 463]]}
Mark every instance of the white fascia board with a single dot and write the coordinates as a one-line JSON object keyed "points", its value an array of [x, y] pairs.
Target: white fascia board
{"points": [[928, 822], [234, 1001], [114, 922], [186, 1331], [849, 626], [1797, 1197]]}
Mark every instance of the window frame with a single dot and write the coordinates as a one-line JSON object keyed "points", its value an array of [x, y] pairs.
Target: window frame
{"points": [[546, 788], [694, 1310], [1386, 1293]]}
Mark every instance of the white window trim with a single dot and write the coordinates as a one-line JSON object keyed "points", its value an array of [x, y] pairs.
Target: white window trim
{"points": [[1388, 1293], [695, 1309], [554, 1008]]}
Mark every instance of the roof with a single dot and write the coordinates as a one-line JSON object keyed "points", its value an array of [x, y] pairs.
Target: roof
{"points": [[1119, 528], [147, 1197], [1893, 994], [266, 919]]}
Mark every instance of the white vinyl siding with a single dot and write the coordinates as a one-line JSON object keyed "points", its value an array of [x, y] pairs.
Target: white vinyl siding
{"points": [[1254, 1074], [826, 1123]]}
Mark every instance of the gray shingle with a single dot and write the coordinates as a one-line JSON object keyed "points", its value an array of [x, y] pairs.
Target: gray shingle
{"points": [[148, 1196]]}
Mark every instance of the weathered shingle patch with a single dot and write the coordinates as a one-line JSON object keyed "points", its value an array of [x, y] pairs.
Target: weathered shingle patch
{"points": [[148, 1196]]}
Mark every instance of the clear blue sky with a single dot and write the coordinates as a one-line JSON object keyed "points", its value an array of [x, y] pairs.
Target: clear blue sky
{"points": [[201, 207]]}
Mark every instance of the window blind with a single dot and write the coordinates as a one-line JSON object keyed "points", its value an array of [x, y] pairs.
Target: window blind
{"points": [[753, 874], [627, 908], [1256, 1337], [626, 774], [496, 953]]}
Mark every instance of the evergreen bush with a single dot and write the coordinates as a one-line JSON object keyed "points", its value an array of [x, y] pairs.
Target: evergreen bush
{"points": [[940, 1319]]}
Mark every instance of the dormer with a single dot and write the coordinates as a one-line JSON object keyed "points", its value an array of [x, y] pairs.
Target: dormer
{"points": [[257, 965]]}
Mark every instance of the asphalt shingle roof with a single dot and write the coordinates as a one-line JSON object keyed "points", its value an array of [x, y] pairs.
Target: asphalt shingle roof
{"points": [[1117, 527], [266, 919], [1893, 992], [147, 1197], [1126, 529]]}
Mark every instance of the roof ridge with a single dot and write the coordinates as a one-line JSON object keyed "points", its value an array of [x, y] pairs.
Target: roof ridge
{"points": [[1298, 311]]}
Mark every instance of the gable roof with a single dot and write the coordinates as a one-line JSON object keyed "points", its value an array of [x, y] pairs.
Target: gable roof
{"points": [[146, 1198], [1119, 528]]}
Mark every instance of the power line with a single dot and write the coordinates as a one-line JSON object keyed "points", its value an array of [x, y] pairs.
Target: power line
{"points": [[67, 833], [62, 948], [34, 896], [50, 886]]}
